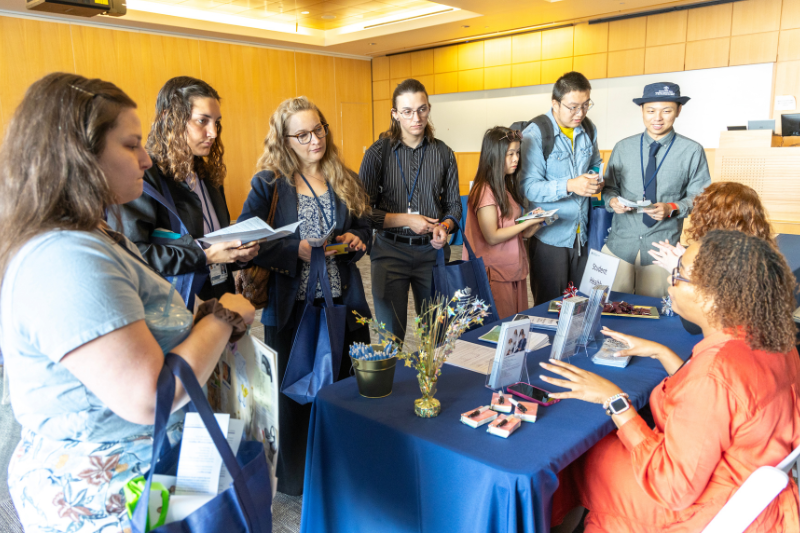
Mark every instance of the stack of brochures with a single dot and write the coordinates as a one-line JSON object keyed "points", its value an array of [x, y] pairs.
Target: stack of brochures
{"points": [[607, 354], [570, 327], [591, 324], [548, 216]]}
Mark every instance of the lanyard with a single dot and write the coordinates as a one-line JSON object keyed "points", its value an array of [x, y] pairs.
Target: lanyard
{"points": [[206, 207], [319, 204], [641, 160], [403, 175]]}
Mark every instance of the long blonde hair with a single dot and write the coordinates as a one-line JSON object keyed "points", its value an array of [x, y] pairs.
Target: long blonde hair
{"points": [[279, 158]]}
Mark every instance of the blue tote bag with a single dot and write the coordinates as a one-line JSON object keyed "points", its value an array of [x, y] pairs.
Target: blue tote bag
{"points": [[466, 276], [319, 341], [599, 225], [246, 506], [187, 285]]}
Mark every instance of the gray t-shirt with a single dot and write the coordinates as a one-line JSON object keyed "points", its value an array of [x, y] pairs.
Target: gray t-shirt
{"points": [[62, 290]]}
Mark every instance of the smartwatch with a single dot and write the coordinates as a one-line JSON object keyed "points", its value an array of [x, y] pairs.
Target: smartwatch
{"points": [[617, 404], [673, 209]]}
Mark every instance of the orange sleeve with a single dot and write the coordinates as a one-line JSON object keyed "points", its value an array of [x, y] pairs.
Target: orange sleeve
{"points": [[674, 467]]}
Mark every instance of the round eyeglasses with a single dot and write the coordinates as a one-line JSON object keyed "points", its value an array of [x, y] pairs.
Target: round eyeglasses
{"points": [[574, 109], [676, 274], [304, 137], [408, 114]]}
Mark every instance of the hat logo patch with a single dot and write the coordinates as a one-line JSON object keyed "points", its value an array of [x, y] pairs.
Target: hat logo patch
{"points": [[665, 92]]}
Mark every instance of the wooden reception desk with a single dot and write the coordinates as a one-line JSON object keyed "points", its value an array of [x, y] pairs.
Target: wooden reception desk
{"points": [[758, 159]]}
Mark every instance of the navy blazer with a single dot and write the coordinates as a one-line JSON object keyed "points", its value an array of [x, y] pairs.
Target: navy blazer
{"points": [[280, 256]]}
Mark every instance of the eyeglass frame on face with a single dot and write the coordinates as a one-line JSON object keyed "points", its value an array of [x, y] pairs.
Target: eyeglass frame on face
{"points": [[676, 274], [419, 112], [573, 110], [314, 131], [512, 136]]}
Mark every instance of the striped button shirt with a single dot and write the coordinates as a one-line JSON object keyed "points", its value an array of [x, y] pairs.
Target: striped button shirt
{"points": [[436, 194]]}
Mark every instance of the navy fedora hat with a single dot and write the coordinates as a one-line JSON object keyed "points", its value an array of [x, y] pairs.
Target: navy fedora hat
{"points": [[663, 91]]}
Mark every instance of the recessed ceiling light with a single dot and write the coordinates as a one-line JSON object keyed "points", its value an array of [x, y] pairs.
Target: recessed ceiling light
{"points": [[465, 26], [328, 17], [304, 12], [372, 44]]}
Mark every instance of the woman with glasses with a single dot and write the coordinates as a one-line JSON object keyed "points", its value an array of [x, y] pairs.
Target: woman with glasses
{"points": [[301, 165], [189, 172], [728, 410], [492, 209]]}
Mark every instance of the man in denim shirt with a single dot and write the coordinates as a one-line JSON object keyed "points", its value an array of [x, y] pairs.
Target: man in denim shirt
{"points": [[558, 252]]}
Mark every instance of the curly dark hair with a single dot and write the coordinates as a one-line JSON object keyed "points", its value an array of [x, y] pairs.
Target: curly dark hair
{"points": [[167, 143], [751, 287], [729, 205]]}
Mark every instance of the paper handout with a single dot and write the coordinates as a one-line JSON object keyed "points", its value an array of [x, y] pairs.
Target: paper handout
{"points": [[252, 229], [199, 464]]}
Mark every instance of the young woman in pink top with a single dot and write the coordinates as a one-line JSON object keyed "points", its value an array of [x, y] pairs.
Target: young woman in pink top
{"points": [[493, 205]]}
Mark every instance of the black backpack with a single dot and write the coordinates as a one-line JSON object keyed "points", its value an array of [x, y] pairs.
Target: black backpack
{"points": [[548, 134]]}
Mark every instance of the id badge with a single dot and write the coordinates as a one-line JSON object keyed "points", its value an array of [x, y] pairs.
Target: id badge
{"points": [[411, 212], [219, 273]]}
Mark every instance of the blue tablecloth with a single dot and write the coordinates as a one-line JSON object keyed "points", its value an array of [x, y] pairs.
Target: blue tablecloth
{"points": [[372, 465]]}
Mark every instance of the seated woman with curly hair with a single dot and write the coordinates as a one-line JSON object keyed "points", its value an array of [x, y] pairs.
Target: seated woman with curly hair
{"points": [[730, 409], [722, 205]]}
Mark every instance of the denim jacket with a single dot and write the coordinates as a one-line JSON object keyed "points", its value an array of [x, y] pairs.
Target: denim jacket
{"points": [[544, 183]]}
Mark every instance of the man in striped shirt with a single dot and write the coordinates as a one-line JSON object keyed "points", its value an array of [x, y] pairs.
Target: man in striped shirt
{"points": [[412, 182]]}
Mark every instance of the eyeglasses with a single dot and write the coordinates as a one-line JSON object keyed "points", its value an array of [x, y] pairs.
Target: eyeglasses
{"points": [[676, 274], [409, 113], [304, 137], [513, 136], [574, 109]]}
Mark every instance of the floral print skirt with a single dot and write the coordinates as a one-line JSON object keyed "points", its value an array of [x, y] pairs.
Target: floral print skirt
{"points": [[74, 486]]}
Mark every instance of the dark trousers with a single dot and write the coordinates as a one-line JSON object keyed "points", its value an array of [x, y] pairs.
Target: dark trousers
{"points": [[553, 267], [395, 268], [293, 418]]}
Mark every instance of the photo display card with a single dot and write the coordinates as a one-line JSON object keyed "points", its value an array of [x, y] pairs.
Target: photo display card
{"points": [[509, 356]]}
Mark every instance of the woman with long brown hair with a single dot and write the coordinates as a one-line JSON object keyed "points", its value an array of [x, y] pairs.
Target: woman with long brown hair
{"points": [[82, 359], [189, 171], [301, 165]]}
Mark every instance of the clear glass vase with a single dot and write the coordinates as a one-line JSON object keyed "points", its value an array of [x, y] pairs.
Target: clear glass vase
{"points": [[427, 406]]}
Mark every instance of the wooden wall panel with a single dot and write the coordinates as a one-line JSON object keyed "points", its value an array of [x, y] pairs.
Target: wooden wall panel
{"points": [[170, 57], [381, 117], [787, 82], [315, 78], [626, 63], [497, 77], [446, 83], [352, 80], [757, 16], [380, 68], [497, 52], [627, 34], [790, 15], [526, 47], [470, 80], [789, 45], [429, 82], [381, 90], [591, 39], [277, 85], [709, 22], [756, 48], [669, 58], [711, 53], [393, 83], [400, 66], [558, 43], [526, 74], [445, 59], [668, 28], [421, 63], [467, 163], [593, 66], [470, 56], [555, 68], [355, 138]]}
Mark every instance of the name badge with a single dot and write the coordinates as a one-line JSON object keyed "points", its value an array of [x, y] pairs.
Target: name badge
{"points": [[219, 273], [411, 212]]}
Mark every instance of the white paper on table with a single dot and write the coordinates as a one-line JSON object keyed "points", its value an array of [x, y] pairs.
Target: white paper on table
{"points": [[235, 432], [534, 216], [199, 463], [319, 241], [537, 341], [785, 102], [252, 229], [471, 356]]}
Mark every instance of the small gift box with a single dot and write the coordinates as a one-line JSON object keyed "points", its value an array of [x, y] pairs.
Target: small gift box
{"points": [[526, 411], [478, 417], [504, 426], [500, 403]]}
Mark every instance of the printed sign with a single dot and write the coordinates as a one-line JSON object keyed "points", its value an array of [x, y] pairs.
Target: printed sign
{"points": [[601, 269]]}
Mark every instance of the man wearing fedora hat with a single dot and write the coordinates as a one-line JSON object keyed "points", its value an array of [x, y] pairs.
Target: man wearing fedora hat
{"points": [[659, 166]]}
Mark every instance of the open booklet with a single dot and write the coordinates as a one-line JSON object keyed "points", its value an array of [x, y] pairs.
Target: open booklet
{"points": [[533, 216], [640, 205], [252, 229]]}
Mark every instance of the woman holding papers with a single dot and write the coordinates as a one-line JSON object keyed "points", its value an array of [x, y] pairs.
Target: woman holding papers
{"points": [[491, 228], [301, 165], [189, 172], [730, 409], [82, 355]]}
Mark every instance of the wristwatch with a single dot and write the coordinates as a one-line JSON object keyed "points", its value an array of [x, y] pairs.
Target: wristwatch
{"points": [[673, 208], [617, 404]]}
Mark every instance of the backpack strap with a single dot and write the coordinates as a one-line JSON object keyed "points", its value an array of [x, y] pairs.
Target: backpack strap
{"points": [[444, 153], [588, 127], [548, 134]]}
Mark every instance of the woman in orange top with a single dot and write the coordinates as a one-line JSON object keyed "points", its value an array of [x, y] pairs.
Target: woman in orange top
{"points": [[730, 409], [493, 207]]}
